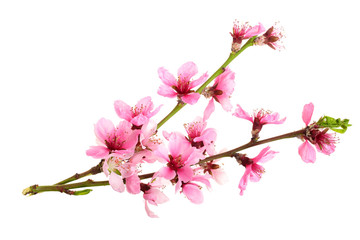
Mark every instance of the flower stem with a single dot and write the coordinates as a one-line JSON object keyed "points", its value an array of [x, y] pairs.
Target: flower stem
{"points": [[65, 188], [250, 144], [221, 69], [92, 171]]}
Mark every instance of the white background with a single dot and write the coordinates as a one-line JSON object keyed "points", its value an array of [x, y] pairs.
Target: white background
{"points": [[63, 63]]}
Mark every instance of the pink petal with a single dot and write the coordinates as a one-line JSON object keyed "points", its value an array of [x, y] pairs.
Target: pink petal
{"points": [[97, 152], [307, 113], [198, 81], [166, 77], [210, 108], [256, 30], [139, 120], [307, 152], [149, 212], [166, 173], [185, 173], [123, 110], [264, 156], [103, 128], [225, 102], [162, 153], [191, 98], [178, 145], [166, 91], [116, 182], [240, 113], [193, 193], [187, 70], [244, 179], [133, 184], [155, 196], [220, 176]]}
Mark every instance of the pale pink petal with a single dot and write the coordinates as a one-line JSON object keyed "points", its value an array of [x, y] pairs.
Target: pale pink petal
{"points": [[187, 70], [240, 113], [203, 179], [193, 193], [123, 110], [162, 153], [198, 81], [103, 128], [220, 176], [185, 173], [166, 91], [116, 182], [191, 98], [210, 108], [225, 103], [307, 152], [97, 152], [133, 184], [149, 212], [307, 113], [166, 173], [155, 196], [166, 77]]}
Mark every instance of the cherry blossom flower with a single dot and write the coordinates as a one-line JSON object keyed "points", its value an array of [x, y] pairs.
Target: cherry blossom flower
{"points": [[182, 87], [178, 162], [214, 170], [201, 137], [259, 119], [221, 91], [253, 170], [323, 141], [117, 170], [272, 37], [119, 141], [153, 195], [245, 31], [139, 114], [193, 191]]}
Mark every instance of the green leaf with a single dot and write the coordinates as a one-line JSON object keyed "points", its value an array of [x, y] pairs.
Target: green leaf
{"points": [[82, 192], [337, 125]]}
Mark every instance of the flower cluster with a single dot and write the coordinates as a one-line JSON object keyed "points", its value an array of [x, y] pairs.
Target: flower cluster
{"points": [[188, 160]]}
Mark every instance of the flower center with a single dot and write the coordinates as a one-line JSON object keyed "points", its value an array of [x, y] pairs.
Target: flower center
{"points": [[175, 163]]}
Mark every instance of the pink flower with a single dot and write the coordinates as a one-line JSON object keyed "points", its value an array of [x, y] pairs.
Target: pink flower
{"points": [[245, 31], [272, 37], [153, 195], [193, 191], [137, 115], [253, 170], [201, 137], [259, 119], [215, 171], [118, 170], [182, 87], [221, 91], [178, 162], [323, 141], [119, 141]]}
